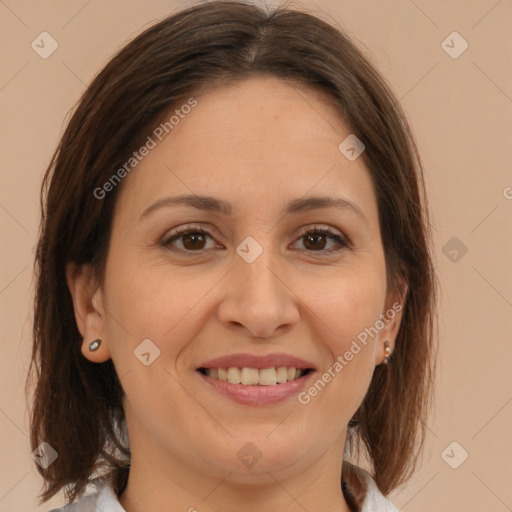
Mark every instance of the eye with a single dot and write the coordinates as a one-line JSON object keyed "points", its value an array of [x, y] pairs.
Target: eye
{"points": [[315, 240], [194, 239]]}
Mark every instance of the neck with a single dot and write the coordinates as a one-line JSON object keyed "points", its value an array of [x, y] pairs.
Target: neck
{"points": [[158, 482]]}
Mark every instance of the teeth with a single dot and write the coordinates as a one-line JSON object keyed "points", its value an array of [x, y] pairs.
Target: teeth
{"points": [[250, 376], [268, 377], [253, 376], [282, 374], [234, 376]]}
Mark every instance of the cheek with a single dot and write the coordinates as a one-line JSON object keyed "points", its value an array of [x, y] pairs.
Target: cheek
{"points": [[347, 304], [153, 301], [140, 306], [346, 310], [151, 320]]}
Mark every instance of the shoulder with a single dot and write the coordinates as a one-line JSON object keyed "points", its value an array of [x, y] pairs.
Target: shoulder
{"points": [[103, 499]]}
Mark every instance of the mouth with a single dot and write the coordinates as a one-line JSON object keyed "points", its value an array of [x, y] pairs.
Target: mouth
{"points": [[247, 376], [256, 380]]}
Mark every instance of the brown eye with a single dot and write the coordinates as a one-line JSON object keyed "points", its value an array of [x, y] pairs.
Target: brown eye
{"points": [[316, 240], [187, 239], [192, 240]]}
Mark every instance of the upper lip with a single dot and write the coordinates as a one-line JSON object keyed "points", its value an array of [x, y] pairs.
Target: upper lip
{"points": [[257, 361]]}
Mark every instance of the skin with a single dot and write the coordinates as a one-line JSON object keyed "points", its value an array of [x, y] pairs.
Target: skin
{"points": [[257, 144]]}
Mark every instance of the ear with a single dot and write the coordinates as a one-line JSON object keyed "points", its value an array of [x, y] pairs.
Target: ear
{"points": [[89, 312], [391, 317]]}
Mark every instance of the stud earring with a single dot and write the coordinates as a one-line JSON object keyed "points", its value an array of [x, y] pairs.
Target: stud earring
{"points": [[95, 345], [387, 349]]}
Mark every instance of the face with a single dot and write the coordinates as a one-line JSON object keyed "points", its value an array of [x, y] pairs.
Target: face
{"points": [[269, 289]]}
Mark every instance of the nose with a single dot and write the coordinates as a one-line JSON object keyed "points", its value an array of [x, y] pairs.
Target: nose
{"points": [[258, 300]]}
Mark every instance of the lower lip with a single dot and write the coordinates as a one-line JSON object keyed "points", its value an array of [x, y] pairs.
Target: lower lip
{"points": [[258, 395]]}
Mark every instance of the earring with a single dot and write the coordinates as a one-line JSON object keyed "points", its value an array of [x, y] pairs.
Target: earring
{"points": [[387, 348], [95, 345]]}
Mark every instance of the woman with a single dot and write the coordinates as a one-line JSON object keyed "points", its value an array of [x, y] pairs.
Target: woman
{"points": [[235, 294]]}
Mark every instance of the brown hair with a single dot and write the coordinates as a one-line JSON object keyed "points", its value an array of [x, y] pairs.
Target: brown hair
{"points": [[77, 406]]}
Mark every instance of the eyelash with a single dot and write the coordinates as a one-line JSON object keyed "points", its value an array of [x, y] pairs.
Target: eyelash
{"points": [[186, 230]]}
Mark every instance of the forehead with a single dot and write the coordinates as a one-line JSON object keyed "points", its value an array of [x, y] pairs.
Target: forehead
{"points": [[264, 110], [259, 137]]}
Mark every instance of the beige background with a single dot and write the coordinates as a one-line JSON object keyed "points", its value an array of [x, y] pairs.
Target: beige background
{"points": [[461, 113]]}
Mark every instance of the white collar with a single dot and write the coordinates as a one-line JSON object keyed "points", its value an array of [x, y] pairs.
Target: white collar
{"points": [[374, 501], [104, 499]]}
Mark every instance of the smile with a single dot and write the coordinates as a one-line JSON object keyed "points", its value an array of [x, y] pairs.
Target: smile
{"points": [[254, 376], [255, 379]]}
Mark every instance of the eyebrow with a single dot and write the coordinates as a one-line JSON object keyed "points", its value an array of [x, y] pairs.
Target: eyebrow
{"points": [[212, 204]]}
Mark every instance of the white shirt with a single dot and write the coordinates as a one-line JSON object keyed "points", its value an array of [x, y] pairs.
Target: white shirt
{"points": [[105, 500]]}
